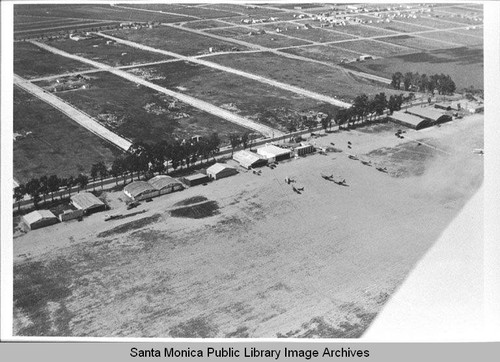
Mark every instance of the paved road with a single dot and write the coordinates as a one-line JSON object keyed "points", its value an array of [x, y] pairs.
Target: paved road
{"points": [[197, 103], [78, 116], [274, 83]]}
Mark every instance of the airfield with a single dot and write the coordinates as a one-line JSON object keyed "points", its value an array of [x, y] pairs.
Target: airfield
{"points": [[244, 256]]}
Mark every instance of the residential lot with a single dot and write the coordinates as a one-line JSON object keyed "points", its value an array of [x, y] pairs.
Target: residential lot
{"points": [[32, 62], [137, 112], [48, 142], [270, 40]]}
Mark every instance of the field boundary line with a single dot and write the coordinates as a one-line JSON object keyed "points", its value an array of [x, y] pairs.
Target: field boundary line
{"points": [[73, 113]]}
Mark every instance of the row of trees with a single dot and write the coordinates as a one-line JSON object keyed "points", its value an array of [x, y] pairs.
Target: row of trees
{"points": [[416, 82], [141, 158], [366, 108]]}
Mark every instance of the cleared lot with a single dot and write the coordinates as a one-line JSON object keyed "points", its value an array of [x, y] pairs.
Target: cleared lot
{"points": [[48, 142], [263, 261], [372, 47], [32, 62], [137, 112], [418, 42]]}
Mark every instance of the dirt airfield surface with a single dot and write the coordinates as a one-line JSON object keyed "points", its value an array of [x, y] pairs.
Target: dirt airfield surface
{"points": [[255, 259]]}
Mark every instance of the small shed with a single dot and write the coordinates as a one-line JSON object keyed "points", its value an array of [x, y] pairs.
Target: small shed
{"points": [[70, 214], [87, 202], [304, 149], [220, 170], [39, 218], [140, 190], [165, 184], [248, 159], [196, 179], [274, 153]]}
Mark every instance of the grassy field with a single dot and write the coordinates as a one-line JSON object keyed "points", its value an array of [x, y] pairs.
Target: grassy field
{"points": [[56, 144], [51, 31], [174, 40], [242, 9], [270, 40], [140, 113], [477, 31], [372, 47], [115, 54], [31, 62], [94, 11], [325, 53], [457, 19], [418, 43], [393, 25], [361, 30], [200, 12], [205, 24], [260, 260], [464, 65], [429, 22], [312, 76], [315, 34], [244, 96], [48, 23], [454, 37]]}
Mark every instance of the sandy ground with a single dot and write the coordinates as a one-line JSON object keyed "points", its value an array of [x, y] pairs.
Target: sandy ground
{"points": [[271, 262]]}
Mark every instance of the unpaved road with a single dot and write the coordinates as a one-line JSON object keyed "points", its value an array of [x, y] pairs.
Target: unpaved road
{"points": [[78, 116], [198, 103]]}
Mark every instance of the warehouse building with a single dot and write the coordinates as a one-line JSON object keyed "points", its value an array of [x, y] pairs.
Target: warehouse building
{"points": [[140, 190], [304, 149], [220, 170], [410, 121], [274, 153], [248, 159], [196, 179], [87, 202], [39, 218], [165, 184]]}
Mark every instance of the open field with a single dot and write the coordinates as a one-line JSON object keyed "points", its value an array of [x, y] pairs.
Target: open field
{"points": [[324, 53], [314, 34], [48, 142], [200, 12], [454, 37], [31, 62], [372, 47], [137, 112], [245, 10], [458, 19], [268, 262], [476, 31], [464, 65], [246, 97], [429, 22], [95, 12], [266, 14], [270, 40], [174, 40], [361, 30], [312, 76], [418, 43], [48, 24], [204, 24], [394, 25], [108, 52]]}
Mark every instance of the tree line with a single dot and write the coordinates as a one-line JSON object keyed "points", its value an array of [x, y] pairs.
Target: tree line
{"points": [[141, 158], [416, 82]]}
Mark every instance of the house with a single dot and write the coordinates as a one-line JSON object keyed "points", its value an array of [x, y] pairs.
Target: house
{"points": [[165, 184], [220, 170], [140, 190], [196, 179], [248, 159], [273, 153], [87, 202], [39, 218]]}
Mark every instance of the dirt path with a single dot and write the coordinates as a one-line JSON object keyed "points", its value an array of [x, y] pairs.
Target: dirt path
{"points": [[198, 103], [78, 116]]}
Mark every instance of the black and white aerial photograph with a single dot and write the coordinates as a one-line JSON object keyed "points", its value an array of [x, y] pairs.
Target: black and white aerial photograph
{"points": [[240, 170]]}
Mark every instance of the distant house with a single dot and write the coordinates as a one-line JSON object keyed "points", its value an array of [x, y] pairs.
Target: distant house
{"points": [[196, 179], [87, 202], [274, 153], [165, 184], [248, 159], [140, 190], [39, 218], [220, 170]]}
